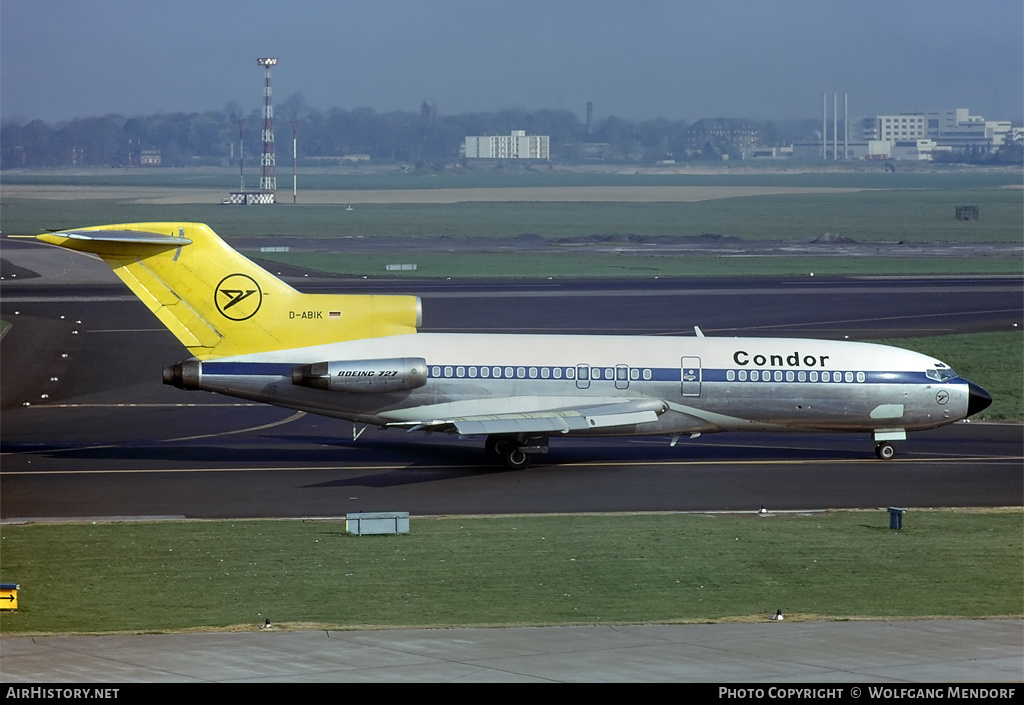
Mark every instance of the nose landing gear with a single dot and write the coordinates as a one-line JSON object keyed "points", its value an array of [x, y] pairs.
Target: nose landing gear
{"points": [[884, 450]]}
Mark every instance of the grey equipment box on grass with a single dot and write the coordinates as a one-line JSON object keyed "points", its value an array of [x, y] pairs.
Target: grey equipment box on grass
{"points": [[364, 523], [896, 518]]}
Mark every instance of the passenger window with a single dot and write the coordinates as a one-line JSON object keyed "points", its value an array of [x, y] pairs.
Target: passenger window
{"points": [[861, 377], [647, 374]]}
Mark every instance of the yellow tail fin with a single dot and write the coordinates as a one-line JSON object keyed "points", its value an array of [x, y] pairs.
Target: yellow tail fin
{"points": [[219, 304]]}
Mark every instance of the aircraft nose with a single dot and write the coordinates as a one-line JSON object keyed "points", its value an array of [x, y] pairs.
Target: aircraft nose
{"points": [[977, 400]]}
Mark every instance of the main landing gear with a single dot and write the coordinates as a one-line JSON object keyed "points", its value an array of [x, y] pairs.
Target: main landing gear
{"points": [[884, 450], [515, 451]]}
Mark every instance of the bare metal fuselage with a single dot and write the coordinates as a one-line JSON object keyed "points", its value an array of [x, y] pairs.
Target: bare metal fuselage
{"points": [[702, 384]]}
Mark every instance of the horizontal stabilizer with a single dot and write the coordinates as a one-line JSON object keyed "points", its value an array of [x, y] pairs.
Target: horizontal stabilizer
{"points": [[134, 237]]}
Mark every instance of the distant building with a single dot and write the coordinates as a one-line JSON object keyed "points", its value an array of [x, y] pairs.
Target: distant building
{"points": [[870, 149], [726, 135], [769, 153], [954, 129], [517, 145], [919, 150], [150, 157], [917, 136]]}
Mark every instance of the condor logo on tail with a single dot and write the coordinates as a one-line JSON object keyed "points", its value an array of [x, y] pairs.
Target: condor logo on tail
{"points": [[238, 297]]}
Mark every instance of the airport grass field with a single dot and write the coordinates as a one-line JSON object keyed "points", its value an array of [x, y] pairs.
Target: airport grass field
{"points": [[513, 571], [608, 224], [867, 207]]}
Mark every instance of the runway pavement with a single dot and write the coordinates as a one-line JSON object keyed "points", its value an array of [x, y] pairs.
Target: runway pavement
{"points": [[834, 655], [83, 356]]}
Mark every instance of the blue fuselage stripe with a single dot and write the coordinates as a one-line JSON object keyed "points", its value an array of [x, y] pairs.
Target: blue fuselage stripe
{"points": [[656, 374]]}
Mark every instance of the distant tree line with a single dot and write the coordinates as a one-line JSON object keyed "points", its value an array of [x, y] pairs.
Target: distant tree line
{"points": [[413, 138]]}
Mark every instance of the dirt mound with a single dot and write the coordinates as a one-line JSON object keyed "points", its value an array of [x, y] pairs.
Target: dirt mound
{"points": [[834, 238]]}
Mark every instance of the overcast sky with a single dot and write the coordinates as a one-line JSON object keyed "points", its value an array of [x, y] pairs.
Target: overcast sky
{"points": [[677, 59]]}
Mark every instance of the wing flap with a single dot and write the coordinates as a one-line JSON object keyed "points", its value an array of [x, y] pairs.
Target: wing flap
{"points": [[625, 419], [523, 424], [628, 412]]}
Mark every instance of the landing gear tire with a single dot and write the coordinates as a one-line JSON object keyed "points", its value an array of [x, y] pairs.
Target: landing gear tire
{"points": [[884, 451], [514, 457], [495, 445]]}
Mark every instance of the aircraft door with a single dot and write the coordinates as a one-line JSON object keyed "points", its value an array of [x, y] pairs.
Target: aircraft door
{"points": [[582, 376], [690, 375], [622, 377]]}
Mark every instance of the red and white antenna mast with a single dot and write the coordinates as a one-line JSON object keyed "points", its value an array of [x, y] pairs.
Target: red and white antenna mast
{"points": [[268, 181]]}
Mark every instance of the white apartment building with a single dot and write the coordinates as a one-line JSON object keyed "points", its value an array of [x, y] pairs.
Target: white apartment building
{"points": [[892, 128], [952, 129], [517, 145]]}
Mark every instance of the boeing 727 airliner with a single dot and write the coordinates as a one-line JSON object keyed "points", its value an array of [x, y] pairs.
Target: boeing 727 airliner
{"points": [[361, 358]]}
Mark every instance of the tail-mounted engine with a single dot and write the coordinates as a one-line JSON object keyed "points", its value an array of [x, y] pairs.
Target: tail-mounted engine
{"points": [[363, 376]]}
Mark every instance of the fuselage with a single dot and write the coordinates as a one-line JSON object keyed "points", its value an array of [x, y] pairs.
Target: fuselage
{"points": [[706, 384]]}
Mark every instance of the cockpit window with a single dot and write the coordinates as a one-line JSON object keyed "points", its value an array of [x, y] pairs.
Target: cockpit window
{"points": [[941, 374]]}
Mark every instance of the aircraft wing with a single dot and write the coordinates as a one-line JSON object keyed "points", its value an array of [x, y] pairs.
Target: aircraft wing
{"points": [[627, 412]]}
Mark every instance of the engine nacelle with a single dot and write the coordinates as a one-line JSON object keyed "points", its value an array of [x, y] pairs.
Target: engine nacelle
{"points": [[185, 374], [363, 376]]}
